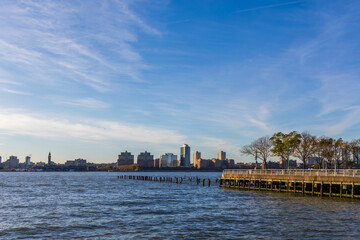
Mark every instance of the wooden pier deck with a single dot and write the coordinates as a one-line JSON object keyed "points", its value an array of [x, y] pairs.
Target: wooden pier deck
{"points": [[324, 182]]}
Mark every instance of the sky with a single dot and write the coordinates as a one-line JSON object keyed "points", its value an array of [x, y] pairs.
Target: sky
{"points": [[91, 79]]}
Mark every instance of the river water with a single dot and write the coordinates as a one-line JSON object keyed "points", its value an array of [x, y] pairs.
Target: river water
{"points": [[98, 205]]}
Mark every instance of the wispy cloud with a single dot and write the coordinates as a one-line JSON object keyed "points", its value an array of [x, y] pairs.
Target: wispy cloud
{"points": [[349, 119], [41, 40], [15, 123], [84, 102], [269, 6], [9, 90]]}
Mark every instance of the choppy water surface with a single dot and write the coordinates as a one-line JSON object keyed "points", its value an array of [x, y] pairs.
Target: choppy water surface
{"points": [[100, 206]]}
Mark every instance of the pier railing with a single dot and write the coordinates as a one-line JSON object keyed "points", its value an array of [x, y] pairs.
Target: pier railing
{"points": [[295, 172]]}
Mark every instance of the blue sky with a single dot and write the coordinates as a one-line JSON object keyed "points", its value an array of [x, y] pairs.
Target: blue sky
{"points": [[93, 78]]}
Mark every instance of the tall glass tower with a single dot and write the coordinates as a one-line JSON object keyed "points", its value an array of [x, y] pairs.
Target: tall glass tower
{"points": [[185, 156]]}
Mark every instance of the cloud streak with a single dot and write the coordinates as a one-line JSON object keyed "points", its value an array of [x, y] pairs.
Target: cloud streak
{"points": [[84, 102], [269, 6], [14, 123]]}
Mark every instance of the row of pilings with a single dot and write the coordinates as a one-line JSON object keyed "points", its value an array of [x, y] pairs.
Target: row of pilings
{"points": [[177, 180], [331, 188]]}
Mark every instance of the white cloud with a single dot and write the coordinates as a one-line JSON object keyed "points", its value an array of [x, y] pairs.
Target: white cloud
{"points": [[84, 102], [19, 123]]}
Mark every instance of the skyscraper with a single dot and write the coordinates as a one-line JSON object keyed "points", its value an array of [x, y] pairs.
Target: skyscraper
{"points": [[27, 160], [222, 155], [185, 156], [49, 159], [197, 157]]}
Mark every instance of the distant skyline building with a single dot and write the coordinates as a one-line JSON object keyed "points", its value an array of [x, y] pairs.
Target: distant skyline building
{"points": [[157, 162], [168, 160], [197, 157], [49, 159], [125, 158], [145, 159], [222, 155], [0, 159], [185, 156], [77, 162], [12, 162], [27, 160]]}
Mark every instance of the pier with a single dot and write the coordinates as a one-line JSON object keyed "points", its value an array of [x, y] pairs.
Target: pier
{"points": [[324, 182]]}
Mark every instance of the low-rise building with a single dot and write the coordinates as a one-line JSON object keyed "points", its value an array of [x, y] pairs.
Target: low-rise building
{"points": [[76, 162]]}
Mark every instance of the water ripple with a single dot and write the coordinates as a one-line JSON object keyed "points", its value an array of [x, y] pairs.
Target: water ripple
{"points": [[99, 206]]}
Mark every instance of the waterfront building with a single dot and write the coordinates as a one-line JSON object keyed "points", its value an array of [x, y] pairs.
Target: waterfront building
{"points": [[197, 157], [217, 163], [273, 165], [27, 160], [185, 156], [125, 158], [77, 162], [12, 162], [313, 161], [167, 160], [145, 159], [157, 163], [230, 163], [49, 159], [222, 155], [0, 159], [292, 163], [205, 163]]}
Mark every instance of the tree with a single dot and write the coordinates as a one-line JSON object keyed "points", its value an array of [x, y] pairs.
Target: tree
{"points": [[337, 147], [324, 150], [354, 150], [259, 148], [306, 148], [318, 152], [284, 145], [345, 154]]}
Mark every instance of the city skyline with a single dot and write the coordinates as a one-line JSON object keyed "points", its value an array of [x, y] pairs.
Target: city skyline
{"points": [[92, 79], [122, 158]]}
